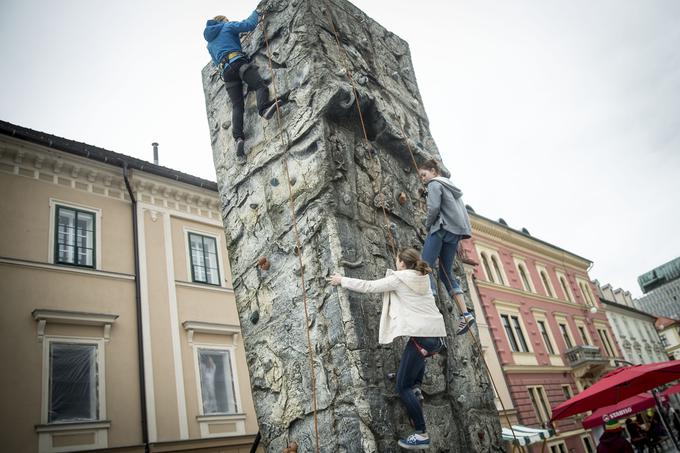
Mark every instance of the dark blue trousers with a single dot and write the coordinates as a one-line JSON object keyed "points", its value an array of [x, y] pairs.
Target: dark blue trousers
{"points": [[411, 372]]}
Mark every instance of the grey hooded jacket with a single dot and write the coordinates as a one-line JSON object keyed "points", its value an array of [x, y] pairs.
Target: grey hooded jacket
{"points": [[445, 208]]}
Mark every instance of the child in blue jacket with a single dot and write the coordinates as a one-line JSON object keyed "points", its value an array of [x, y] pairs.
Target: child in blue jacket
{"points": [[224, 45]]}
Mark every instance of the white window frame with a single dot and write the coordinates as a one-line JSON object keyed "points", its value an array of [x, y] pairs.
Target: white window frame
{"points": [[586, 293], [221, 269], [520, 262], [593, 448], [606, 345], [551, 290], [48, 340], [199, 389], [580, 323], [562, 320], [569, 296], [560, 445], [53, 203], [543, 318], [498, 279], [541, 407]]}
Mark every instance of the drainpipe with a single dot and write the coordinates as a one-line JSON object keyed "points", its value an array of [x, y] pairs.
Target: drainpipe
{"points": [[138, 300]]}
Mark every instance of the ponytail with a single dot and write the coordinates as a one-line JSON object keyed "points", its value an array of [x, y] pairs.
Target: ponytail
{"points": [[411, 258]]}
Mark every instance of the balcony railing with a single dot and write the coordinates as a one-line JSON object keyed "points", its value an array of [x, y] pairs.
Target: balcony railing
{"points": [[584, 354]]}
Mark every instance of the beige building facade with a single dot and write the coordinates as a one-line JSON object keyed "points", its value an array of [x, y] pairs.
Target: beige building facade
{"points": [[119, 325]]}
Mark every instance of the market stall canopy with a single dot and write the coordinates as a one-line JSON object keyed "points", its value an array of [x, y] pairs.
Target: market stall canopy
{"points": [[523, 435], [624, 409], [618, 385]]}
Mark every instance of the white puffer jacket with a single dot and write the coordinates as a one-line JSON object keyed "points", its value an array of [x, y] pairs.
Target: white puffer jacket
{"points": [[408, 305]]}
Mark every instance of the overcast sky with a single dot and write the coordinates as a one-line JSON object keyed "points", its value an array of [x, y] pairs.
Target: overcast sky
{"points": [[559, 116]]}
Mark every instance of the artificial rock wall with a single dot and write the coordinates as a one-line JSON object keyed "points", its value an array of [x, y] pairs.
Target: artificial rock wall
{"points": [[339, 184]]}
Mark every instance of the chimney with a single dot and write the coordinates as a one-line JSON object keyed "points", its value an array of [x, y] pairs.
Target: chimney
{"points": [[155, 152]]}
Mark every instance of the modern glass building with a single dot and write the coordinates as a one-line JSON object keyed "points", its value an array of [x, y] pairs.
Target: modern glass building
{"points": [[659, 276]]}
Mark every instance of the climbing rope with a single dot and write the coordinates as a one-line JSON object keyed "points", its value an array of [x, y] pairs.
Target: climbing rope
{"points": [[367, 142], [415, 165], [298, 242]]}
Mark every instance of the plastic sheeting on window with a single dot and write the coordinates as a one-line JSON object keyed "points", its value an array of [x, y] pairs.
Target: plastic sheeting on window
{"points": [[73, 382], [217, 383]]}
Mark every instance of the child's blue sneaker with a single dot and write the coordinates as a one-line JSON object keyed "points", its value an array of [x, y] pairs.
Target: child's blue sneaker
{"points": [[415, 442]]}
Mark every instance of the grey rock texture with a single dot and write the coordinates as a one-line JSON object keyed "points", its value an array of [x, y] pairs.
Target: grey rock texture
{"points": [[338, 183]]}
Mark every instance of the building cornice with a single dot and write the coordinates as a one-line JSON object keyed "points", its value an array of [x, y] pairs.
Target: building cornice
{"points": [[50, 166], [503, 233]]}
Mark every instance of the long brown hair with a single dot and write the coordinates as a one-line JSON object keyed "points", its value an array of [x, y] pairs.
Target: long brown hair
{"points": [[411, 258], [431, 165]]}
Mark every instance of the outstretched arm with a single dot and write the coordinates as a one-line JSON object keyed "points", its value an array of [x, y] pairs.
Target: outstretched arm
{"points": [[246, 25], [382, 285]]}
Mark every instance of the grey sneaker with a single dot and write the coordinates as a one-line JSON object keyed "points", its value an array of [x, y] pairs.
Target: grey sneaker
{"points": [[240, 147], [464, 324]]}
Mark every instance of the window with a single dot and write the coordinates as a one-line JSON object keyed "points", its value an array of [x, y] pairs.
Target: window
{"points": [[588, 444], [74, 237], [203, 251], [664, 340], [539, 402], [218, 393], [559, 448], [566, 389], [586, 294], [565, 335], [567, 294], [514, 332], [487, 268], [523, 277], [546, 337], [604, 336], [546, 284], [497, 268], [73, 382], [584, 337]]}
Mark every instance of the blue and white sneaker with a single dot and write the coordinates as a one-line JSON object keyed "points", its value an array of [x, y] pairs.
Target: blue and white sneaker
{"points": [[415, 442]]}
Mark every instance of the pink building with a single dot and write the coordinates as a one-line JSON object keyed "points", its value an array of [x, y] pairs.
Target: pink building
{"points": [[549, 330]]}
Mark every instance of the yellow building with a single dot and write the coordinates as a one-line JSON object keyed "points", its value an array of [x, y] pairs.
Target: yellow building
{"points": [[119, 327]]}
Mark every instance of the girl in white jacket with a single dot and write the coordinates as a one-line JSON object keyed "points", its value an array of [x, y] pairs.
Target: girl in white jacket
{"points": [[408, 310]]}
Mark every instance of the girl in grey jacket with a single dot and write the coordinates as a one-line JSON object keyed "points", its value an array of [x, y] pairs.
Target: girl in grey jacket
{"points": [[447, 223]]}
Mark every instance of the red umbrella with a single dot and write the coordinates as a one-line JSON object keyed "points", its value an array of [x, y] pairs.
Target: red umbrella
{"points": [[624, 409], [671, 390], [618, 385]]}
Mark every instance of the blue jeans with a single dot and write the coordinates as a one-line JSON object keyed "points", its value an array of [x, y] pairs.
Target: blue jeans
{"points": [[411, 372], [442, 244]]}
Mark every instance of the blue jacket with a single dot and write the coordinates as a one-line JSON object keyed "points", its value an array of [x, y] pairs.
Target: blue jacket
{"points": [[224, 37]]}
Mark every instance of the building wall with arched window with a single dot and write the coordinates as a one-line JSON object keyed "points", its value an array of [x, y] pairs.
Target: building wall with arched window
{"points": [[539, 321]]}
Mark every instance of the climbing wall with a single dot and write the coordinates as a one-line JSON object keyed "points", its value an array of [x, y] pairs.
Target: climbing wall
{"points": [[324, 189]]}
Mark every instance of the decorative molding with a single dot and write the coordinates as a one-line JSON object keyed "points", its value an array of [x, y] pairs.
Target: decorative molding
{"points": [[79, 426], [44, 315], [65, 268], [211, 328], [206, 287]]}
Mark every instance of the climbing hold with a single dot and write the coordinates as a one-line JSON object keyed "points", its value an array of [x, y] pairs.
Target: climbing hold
{"points": [[293, 180], [402, 198], [254, 205], [274, 182], [263, 263], [362, 80], [254, 317], [293, 447], [480, 434]]}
